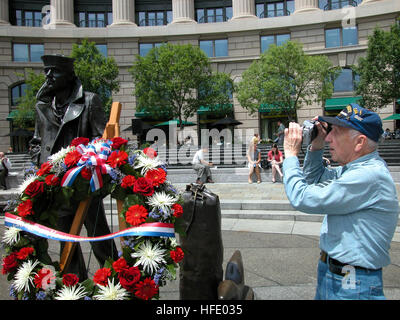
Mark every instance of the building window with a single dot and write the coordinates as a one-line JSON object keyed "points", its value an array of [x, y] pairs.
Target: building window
{"points": [[215, 48], [17, 92], [153, 18], [337, 4], [24, 52], [210, 15], [144, 48], [277, 39], [346, 82], [341, 37], [29, 18], [270, 9], [94, 19]]}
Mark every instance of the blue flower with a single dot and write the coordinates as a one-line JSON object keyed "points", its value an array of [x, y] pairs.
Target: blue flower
{"points": [[113, 174], [131, 159], [41, 295], [154, 215], [159, 275]]}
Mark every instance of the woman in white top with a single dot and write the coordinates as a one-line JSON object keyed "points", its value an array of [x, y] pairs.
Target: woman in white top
{"points": [[253, 160]]}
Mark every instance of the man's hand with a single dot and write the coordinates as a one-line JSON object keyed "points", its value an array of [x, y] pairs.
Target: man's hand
{"points": [[319, 142], [293, 139]]}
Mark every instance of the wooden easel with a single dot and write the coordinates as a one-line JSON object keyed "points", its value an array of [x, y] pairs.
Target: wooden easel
{"points": [[111, 130]]}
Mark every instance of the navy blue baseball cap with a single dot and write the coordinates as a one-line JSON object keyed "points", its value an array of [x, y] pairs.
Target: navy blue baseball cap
{"points": [[355, 117]]}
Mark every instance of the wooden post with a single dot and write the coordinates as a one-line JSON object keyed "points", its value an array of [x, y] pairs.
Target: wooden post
{"points": [[76, 227], [111, 130]]}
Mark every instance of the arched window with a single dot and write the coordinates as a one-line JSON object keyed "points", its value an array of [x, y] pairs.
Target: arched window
{"points": [[17, 92]]}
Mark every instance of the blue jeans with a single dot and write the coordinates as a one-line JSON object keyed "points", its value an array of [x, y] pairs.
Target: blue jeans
{"points": [[357, 285]]}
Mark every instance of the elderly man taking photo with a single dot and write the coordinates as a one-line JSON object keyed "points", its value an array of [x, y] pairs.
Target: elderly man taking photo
{"points": [[358, 199]]}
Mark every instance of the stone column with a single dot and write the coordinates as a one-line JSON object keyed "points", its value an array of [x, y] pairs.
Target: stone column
{"points": [[4, 18], [183, 11], [123, 12], [61, 13], [243, 9], [305, 6]]}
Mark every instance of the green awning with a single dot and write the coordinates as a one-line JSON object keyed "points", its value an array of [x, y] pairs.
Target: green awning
{"points": [[340, 103], [395, 116], [216, 108], [142, 114], [269, 108], [11, 116]]}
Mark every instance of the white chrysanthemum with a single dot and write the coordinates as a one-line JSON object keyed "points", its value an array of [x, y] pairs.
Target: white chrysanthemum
{"points": [[149, 257], [111, 292], [146, 163], [28, 180], [75, 292], [58, 158], [11, 236], [25, 275], [161, 200]]}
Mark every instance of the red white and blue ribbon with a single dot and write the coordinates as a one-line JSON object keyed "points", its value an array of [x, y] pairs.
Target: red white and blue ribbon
{"points": [[155, 229], [91, 158]]}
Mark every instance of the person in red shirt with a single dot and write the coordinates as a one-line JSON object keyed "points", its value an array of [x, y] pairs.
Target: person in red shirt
{"points": [[275, 157]]}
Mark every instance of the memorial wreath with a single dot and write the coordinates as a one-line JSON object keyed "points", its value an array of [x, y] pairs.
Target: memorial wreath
{"points": [[151, 209]]}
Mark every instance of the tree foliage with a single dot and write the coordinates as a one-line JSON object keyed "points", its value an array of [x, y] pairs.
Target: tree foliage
{"points": [[97, 73], [286, 78], [25, 115], [174, 81], [380, 70]]}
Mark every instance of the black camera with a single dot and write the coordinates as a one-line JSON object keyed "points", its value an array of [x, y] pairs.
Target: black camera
{"points": [[310, 131]]}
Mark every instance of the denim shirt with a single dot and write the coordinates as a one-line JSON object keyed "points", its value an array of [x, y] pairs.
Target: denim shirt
{"points": [[359, 201]]}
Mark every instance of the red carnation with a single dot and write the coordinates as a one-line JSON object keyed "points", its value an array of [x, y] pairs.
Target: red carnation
{"points": [[120, 265], [44, 169], [157, 176], [136, 215], [70, 279], [52, 180], [143, 186], [150, 152], [25, 208], [128, 181], [34, 188], [129, 277], [146, 289], [80, 140], [43, 278], [72, 158], [10, 262], [117, 158], [117, 142], [86, 173], [178, 210], [24, 253], [101, 276], [177, 255]]}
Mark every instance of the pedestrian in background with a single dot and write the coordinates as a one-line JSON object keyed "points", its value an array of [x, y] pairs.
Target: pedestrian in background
{"points": [[275, 158], [202, 167], [254, 159], [358, 199], [5, 165]]}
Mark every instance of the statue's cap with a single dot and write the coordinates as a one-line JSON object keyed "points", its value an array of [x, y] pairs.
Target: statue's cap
{"points": [[57, 60]]}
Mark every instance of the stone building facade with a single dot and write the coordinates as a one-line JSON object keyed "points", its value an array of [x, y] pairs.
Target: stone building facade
{"points": [[124, 27]]}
